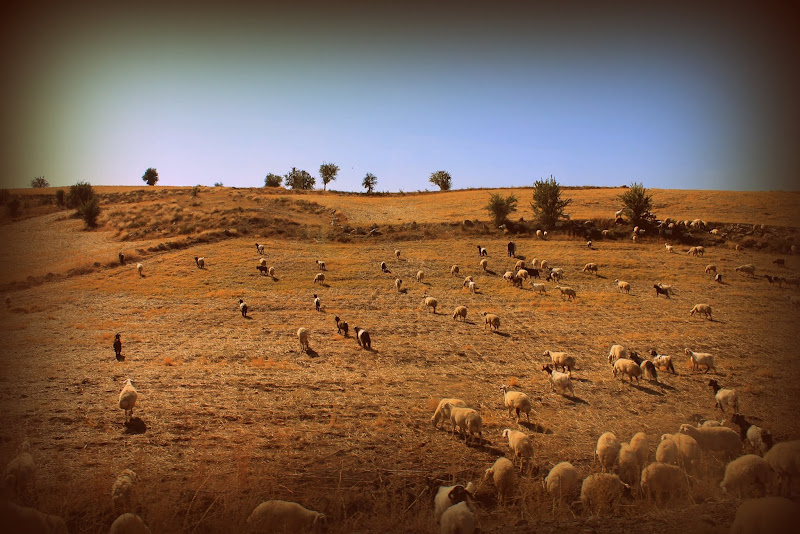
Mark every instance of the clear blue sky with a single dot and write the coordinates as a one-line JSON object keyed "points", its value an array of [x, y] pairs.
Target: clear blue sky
{"points": [[597, 94]]}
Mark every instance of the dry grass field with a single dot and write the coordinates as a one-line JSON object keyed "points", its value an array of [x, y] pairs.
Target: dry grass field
{"points": [[232, 413]]}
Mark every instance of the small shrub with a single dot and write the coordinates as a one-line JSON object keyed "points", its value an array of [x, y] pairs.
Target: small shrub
{"points": [[500, 207], [90, 211], [195, 189], [217, 184], [272, 180], [79, 194]]}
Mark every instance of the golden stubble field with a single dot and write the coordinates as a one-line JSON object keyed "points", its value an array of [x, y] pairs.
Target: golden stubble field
{"points": [[233, 413]]}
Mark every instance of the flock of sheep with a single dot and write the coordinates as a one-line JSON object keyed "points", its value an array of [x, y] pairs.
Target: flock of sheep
{"points": [[625, 468]]}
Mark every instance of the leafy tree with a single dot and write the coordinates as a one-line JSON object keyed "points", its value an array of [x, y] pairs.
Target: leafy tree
{"points": [[217, 184], [90, 211], [272, 180], [442, 179], [637, 203], [328, 172], [39, 181], [548, 206], [500, 207], [79, 194], [150, 176], [369, 183], [297, 179]]}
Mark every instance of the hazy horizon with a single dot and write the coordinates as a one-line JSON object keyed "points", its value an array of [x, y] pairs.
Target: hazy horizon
{"points": [[674, 96]]}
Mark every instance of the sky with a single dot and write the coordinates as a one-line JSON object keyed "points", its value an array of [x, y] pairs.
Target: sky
{"points": [[498, 94]]}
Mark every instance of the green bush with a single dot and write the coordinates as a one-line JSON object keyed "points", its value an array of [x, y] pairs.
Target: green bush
{"points": [[90, 212], [547, 205], [500, 207], [79, 194], [272, 180]]}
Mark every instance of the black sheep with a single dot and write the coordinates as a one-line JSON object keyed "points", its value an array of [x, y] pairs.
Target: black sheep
{"points": [[512, 249], [660, 291], [118, 348]]}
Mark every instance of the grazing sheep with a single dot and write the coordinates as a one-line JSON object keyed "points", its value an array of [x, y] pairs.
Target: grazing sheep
{"points": [[759, 438], [767, 514], [442, 412], [284, 516], [718, 278], [482, 251], [688, 451], [271, 272], [243, 308], [562, 481], [123, 492], [663, 361], [302, 336], [508, 276], [532, 272], [748, 475], [560, 381], [398, 283], [635, 238], [543, 265], [430, 302], [341, 326], [321, 265], [512, 249], [725, 398], [460, 311], [649, 371], [458, 519], [702, 309], [601, 491], [519, 265], [516, 401], [384, 268], [491, 320], [522, 274], [566, 292], [263, 269], [607, 451], [560, 360], [26, 520], [263, 262], [465, 420], [738, 248], [139, 269], [317, 302], [200, 262], [661, 291], [504, 478], [521, 444], [667, 451], [629, 470], [118, 348], [711, 269], [784, 458], [319, 278], [121, 258], [590, 268], [623, 286], [420, 276], [662, 481], [397, 253], [701, 358], [260, 249], [670, 248], [454, 270], [129, 523], [641, 447], [616, 352], [362, 336], [447, 496], [715, 231], [472, 286], [555, 275], [127, 399], [629, 368], [780, 262], [539, 233], [714, 438], [20, 472], [538, 288], [484, 265], [747, 269], [544, 234]]}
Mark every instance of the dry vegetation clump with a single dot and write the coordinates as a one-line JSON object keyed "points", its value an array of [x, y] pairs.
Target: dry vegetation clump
{"points": [[233, 413]]}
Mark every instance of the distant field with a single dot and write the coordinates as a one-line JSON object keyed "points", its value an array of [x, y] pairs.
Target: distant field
{"points": [[235, 414]]}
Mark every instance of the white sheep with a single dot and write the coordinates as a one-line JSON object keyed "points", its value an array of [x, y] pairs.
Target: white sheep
{"points": [[724, 397], [748, 475], [566, 292], [397, 253], [689, 453], [319, 278], [641, 446], [200, 262], [607, 451], [20, 472], [623, 286], [619, 213], [467, 420], [321, 265], [616, 352], [635, 238], [127, 399], [123, 491], [484, 265], [491, 320], [663, 362], [667, 451], [747, 269], [285, 516], [629, 368], [519, 265], [128, 523], [398, 283], [443, 500], [521, 444], [302, 336], [543, 265], [560, 360], [784, 458], [262, 262], [442, 412], [669, 248], [260, 249], [714, 438], [701, 359], [662, 481], [523, 274], [26, 520], [467, 279], [711, 269], [702, 309], [601, 491], [460, 311], [538, 233], [544, 234], [504, 478], [559, 381], [430, 302], [758, 438], [538, 288], [420, 276], [454, 270], [458, 519], [472, 287], [767, 514], [271, 272], [516, 401], [243, 308], [590, 268], [139, 269], [562, 481], [629, 470], [362, 336], [317, 302]]}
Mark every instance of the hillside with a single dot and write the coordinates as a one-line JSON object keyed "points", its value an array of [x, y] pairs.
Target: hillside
{"points": [[232, 413]]}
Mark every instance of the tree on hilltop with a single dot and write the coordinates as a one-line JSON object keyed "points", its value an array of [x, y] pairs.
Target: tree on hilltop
{"points": [[548, 206], [637, 203], [328, 172], [150, 176], [442, 179], [369, 183], [272, 180], [500, 207], [40, 181], [299, 179]]}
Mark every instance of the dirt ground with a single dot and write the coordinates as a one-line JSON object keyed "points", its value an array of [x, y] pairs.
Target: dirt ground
{"points": [[231, 412]]}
